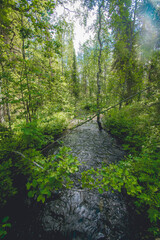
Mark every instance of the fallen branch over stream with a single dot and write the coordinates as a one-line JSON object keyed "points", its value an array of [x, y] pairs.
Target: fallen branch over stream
{"points": [[80, 124], [35, 163], [39, 166], [92, 117]]}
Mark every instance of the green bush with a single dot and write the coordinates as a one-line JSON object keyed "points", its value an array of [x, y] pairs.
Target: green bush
{"points": [[52, 127], [6, 179], [31, 135], [139, 174], [128, 126], [88, 105], [3, 227], [6, 164], [53, 174], [18, 150]]}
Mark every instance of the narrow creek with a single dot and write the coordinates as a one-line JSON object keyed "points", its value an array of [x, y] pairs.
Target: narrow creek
{"points": [[78, 214]]}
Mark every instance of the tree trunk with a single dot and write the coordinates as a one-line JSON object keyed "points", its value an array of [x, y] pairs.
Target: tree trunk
{"points": [[7, 103], [1, 107], [28, 102], [8, 114], [99, 67], [62, 61]]}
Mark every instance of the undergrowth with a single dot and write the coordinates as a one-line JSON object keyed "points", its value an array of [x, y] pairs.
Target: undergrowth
{"points": [[137, 129], [21, 158]]}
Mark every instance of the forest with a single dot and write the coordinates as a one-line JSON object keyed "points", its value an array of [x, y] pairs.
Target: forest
{"points": [[45, 84]]}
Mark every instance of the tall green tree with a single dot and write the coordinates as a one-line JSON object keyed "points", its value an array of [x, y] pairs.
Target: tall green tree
{"points": [[29, 59], [97, 55], [123, 24]]}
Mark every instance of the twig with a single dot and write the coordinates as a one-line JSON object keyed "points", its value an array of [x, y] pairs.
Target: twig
{"points": [[66, 7]]}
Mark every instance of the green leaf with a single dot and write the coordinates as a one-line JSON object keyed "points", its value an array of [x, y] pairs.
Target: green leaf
{"points": [[41, 198], [28, 185], [6, 225], [153, 214], [100, 190], [5, 219], [31, 194], [45, 191], [34, 183]]}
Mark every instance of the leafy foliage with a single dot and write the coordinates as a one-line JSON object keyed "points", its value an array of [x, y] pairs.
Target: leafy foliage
{"points": [[139, 172], [129, 126], [18, 150], [54, 175], [3, 226], [138, 175], [31, 135], [6, 164]]}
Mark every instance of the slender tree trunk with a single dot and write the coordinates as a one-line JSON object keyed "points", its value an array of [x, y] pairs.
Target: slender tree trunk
{"points": [[2, 109], [62, 61], [99, 67], [8, 114], [6, 98], [1, 106], [85, 85], [130, 79], [7, 104], [122, 96], [28, 102], [50, 65], [22, 95], [51, 76]]}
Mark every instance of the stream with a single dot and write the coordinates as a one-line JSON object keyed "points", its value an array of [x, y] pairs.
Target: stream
{"points": [[77, 214]]}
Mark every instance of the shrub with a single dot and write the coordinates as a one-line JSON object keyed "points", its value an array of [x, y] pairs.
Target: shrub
{"points": [[53, 174], [128, 126], [135, 127]]}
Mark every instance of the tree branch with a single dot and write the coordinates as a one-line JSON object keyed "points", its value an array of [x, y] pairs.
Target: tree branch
{"points": [[22, 155], [61, 3]]}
